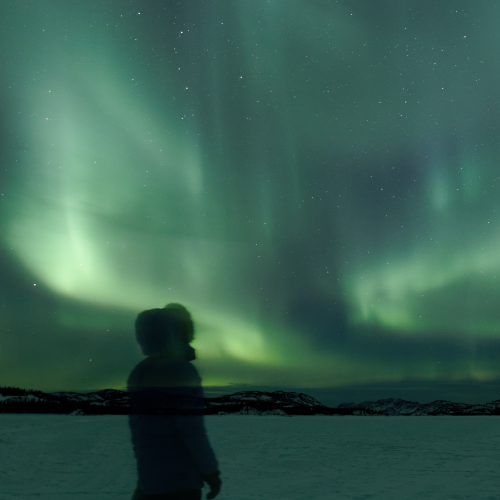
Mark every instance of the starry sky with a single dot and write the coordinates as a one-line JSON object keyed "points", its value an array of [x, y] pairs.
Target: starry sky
{"points": [[317, 181]]}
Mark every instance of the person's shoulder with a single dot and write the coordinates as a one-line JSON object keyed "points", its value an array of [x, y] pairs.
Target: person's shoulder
{"points": [[187, 368], [134, 374]]}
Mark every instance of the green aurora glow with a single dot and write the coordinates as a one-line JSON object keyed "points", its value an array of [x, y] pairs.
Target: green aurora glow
{"points": [[318, 184]]}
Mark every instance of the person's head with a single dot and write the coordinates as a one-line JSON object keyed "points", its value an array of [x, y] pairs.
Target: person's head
{"points": [[164, 332], [184, 317]]}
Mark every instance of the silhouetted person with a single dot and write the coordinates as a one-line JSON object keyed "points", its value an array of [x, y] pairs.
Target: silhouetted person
{"points": [[173, 453]]}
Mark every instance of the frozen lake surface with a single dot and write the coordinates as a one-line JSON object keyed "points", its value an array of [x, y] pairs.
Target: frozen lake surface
{"points": [[64, 457]]}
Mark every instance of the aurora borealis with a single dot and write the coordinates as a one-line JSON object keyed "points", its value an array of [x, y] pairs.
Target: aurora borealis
{"points": [[317, 181]]}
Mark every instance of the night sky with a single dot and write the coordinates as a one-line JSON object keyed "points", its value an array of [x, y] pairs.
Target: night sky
{"points": [[318, 181]]}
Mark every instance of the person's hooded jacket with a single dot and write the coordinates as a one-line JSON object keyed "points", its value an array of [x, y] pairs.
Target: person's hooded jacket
{"points": [[166, 412]]}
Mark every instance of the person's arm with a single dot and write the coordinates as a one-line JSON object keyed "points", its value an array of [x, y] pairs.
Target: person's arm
{"points": [[191, 428]]}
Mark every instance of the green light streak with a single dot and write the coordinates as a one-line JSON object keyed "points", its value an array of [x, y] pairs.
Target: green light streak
{"points": [[414, 294]]}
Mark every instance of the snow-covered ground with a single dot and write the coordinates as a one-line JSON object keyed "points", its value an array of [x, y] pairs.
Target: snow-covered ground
{"points": [[273, 458]]}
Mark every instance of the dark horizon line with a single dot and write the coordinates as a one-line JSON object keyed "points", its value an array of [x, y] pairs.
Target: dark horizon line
{"points": [[34, 391]]}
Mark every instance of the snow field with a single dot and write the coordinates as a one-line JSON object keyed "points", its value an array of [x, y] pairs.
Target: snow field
{"points": [[64, 457]]}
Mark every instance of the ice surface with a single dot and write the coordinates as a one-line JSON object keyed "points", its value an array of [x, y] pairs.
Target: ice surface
{"points": [[64, 457]]}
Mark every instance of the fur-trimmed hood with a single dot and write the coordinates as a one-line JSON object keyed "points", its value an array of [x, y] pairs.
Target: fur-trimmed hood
{"points": [[160, 333]]}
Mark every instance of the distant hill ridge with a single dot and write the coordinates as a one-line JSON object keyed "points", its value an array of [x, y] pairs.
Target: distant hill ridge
{"points": [[277, 397], [400, 407], [115, 402]]}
